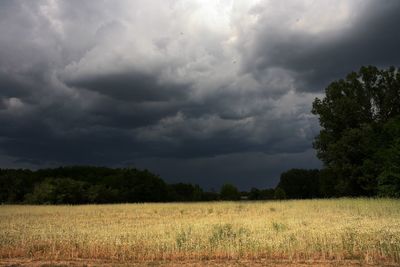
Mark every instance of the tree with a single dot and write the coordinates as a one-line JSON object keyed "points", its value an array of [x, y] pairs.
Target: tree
{"points": [[280, 193], [100, 193], [185, 192], [15, 184], [352, 116], [389, 179], [43, 193], [58, 191], [263, 194], [229, 192], [300, 183], [254, 194]]}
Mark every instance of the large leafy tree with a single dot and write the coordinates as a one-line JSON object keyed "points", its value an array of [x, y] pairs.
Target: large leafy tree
{"points": [[353, 116]]}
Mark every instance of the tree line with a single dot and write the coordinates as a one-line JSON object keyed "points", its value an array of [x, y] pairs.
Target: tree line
{"points": [[359, 145], [88, 184]]}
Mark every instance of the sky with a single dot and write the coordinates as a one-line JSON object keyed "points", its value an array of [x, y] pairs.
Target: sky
{"points": [[197, 91]]}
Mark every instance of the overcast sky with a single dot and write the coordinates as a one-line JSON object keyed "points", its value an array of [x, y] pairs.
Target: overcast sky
{"points": [[202, 91]]}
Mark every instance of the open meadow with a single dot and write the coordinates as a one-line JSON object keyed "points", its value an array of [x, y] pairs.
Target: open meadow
{"points": [[293, 231]]}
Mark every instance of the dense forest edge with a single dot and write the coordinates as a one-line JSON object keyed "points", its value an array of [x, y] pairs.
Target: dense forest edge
{"points": [[359, 145]]}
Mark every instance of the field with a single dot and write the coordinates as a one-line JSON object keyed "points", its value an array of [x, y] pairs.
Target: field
{"points": [[342, 231]]}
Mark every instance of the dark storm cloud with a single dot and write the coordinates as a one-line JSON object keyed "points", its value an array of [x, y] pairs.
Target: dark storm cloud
{"points": [[247, 170], [10, 87], [212, 135], [125, 115], [106, 148], [134, 87], [372, 38], [205, 92]]}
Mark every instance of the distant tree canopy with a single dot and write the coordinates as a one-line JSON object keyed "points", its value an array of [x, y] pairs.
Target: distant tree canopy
{"points": [[299, 183], [186, 192], [360, 133], [85, 184], [261, 194], [229, 192]]}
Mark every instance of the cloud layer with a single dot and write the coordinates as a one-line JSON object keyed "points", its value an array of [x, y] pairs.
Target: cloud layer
{"points": [[198, 91]]}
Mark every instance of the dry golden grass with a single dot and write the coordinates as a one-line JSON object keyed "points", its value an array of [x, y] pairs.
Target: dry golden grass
{"points": [[365, 230]]}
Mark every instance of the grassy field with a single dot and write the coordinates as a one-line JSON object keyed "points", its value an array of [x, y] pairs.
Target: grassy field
{"points": [[361, 230]]}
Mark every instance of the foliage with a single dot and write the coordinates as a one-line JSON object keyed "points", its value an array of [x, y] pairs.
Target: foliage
{"points": [[58, 191], [185, 192], [229, 192], [280, 193], [299, 183], [389, 179], [14, 184], [354, 116], [261, 194], [85, 184]]}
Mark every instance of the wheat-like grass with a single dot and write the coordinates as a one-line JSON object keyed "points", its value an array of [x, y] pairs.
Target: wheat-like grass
{"points": [[358, 229]]}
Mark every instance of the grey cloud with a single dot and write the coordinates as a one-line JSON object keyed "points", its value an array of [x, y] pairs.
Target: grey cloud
{"points": [[125, 115], [317, 59], [131, 86], [11, 87], [247, 170]]}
